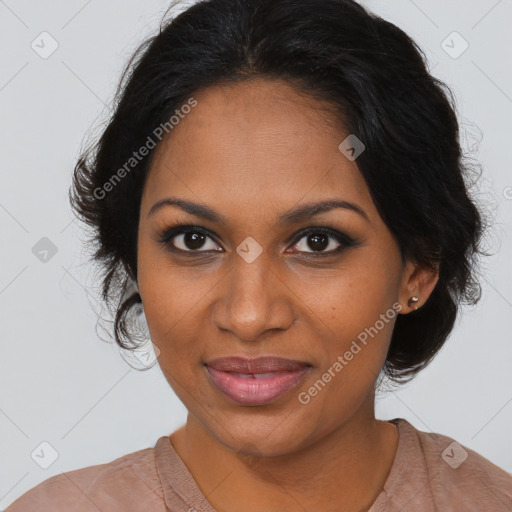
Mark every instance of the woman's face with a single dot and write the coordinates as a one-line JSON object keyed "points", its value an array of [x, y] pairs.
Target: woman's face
{"points": [[258, 283]]}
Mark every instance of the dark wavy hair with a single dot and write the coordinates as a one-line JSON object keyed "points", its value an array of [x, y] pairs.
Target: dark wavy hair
{"points": [[375, 78]]}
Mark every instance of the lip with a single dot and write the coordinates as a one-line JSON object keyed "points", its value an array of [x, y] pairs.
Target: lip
{"points": [[256, 381], [262, 364]]}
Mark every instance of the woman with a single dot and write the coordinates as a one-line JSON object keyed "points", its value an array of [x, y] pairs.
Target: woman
{"points": [[283, 185]]}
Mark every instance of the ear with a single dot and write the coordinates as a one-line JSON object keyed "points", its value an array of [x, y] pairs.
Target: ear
{"points": [[417, 281]]}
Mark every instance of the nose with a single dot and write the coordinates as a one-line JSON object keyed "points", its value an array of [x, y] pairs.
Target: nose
{"points": [[253, 300]]}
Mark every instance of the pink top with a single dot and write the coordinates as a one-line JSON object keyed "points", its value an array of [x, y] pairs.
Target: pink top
{"points": [[430, 473]]}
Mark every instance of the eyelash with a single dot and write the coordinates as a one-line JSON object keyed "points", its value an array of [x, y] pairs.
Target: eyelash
{"points": [[179, 228]]}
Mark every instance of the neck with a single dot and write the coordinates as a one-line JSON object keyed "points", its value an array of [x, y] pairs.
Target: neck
{"points": [[345, 469]]}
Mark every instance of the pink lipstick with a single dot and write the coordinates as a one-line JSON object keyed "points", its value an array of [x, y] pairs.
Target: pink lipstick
{"points": [[256, 381]]}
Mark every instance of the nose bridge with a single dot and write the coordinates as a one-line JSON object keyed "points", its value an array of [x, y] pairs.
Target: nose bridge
{"points": [[252, 302]]}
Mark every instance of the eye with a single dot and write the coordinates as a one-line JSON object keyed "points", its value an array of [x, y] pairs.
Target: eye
{"points": [[322, 241], [193, 241], [188, 238]]}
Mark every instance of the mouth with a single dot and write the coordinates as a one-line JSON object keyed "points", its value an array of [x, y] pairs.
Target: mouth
{"points": [[256, 381]]}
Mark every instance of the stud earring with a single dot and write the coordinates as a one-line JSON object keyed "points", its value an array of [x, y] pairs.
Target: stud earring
{"points": [[412, 301]]}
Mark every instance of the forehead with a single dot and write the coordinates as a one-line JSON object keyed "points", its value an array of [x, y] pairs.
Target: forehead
{"points": [[260, 140]]}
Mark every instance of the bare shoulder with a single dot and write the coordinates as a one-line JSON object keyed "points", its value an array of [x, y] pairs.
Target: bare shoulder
{"points": [[458, 472], [127, 483]]}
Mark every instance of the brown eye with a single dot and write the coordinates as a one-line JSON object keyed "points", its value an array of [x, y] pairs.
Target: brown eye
{"points": [[187, 238], [317, 242], [191, 241], [322, 241]]}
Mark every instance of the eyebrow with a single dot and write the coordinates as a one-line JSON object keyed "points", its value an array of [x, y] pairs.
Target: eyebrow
{"points": [[293, 216]]}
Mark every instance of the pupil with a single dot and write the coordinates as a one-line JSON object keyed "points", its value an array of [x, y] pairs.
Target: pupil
{"points": [[194, 240], [318, 241]]}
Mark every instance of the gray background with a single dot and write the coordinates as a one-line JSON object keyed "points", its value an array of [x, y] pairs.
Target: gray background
{"points": [[60, 383]]}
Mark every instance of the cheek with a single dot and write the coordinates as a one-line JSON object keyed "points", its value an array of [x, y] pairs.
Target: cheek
{"points": [[354, 311], [171, 307], [350, 298], [170, 293], [351, 361]]}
